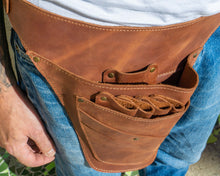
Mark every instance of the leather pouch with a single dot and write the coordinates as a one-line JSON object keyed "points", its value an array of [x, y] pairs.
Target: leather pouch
{"points": [[114, 135], [123, 88]]}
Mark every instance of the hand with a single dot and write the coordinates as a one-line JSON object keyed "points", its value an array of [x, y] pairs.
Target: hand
{"points": [[21, 132]]}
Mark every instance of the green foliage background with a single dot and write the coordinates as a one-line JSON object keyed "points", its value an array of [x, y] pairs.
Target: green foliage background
{"points": [[9, 166]]}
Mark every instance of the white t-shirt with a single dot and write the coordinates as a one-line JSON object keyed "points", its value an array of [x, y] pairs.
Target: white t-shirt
{"points": [[131, 12]]}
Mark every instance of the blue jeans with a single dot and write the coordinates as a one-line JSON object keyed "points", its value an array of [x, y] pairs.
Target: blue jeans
{"points": [[181, 148]]}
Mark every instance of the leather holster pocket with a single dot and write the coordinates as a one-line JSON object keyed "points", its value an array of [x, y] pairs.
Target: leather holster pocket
{"points": [[123, 131], [120, 139]]}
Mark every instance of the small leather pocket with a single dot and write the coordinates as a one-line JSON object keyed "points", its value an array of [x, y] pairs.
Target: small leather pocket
{"points": [[124, 128], [116, 138]]}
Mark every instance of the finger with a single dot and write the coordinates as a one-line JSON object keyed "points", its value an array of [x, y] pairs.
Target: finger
{"points": [[29, 158], [37, 133], [43, 142]]}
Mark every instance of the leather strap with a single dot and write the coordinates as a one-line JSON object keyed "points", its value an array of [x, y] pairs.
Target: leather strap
{"points": [[149, 76]]}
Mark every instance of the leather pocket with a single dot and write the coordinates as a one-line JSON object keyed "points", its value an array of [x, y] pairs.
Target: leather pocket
{"points": [[117, 132], [116, 138]]}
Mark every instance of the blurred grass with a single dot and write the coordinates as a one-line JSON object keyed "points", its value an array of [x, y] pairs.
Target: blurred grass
{"points": [[216, 132], [9, 166]]}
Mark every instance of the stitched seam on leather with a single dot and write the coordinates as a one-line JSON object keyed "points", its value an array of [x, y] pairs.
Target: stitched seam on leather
{"points": [[167, 73], [118, 170], [108, 28], [123, 169], [171, 99], [21, 39], [208, 37], [99, 158], [133, 118], [54, 87], [104, 170], [106, 87], [91, 84], [118, 115]]}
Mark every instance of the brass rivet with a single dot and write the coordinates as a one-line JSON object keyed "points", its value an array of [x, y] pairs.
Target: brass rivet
{"points": [[135, 139], [80, 100], [111, 75], [194, 55], [104, 98], [152, 69], [36, 59]]}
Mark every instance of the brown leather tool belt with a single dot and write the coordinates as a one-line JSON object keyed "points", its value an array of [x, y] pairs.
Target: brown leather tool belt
{"points": [[124, 88]]}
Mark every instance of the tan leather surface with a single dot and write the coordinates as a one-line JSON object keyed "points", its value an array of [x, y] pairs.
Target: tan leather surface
{"points": [[125, 106], [108, 78], [149, 76], [96, 124], [88, 50], [62, 79]]}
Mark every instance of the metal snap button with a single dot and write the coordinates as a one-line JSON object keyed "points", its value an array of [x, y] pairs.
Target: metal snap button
{"points": [[152, 69], [194, 55], [111, 75], [36, 59], [135, 139], [104, 98], [80, 100]]}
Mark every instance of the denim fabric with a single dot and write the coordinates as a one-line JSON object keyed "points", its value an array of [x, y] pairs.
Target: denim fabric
{"points": [[187, 139], [69, 157], [180, 149]]}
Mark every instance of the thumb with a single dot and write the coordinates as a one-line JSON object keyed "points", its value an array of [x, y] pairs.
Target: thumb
{"points": [[29, 158]]}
